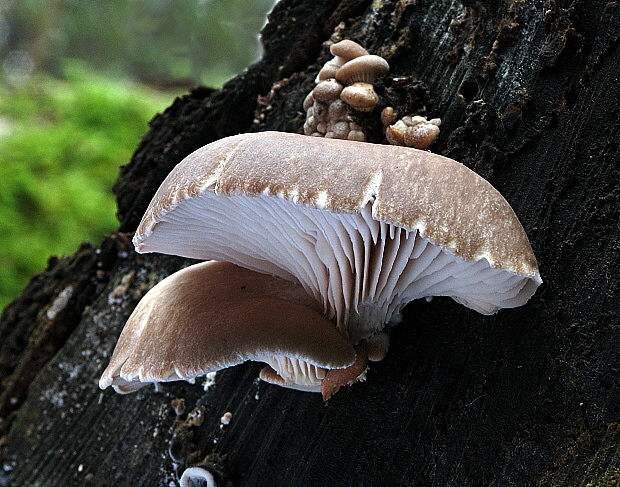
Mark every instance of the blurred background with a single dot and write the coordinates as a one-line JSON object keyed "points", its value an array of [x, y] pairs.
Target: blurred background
{"points": [[79, 81]]}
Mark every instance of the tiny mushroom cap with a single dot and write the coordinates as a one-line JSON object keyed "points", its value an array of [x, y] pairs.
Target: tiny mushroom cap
{"points": [[363, 228], [421, 136], [395, 134], [388, 116], [327, 90], [347, 50], [328, 71], [210, 472], [360, 96], [214, 315], [364, 68], [343, 51]]}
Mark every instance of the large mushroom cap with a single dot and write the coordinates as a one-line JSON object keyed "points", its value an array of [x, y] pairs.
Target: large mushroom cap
{"points": [[213, 315], [364, 228]]}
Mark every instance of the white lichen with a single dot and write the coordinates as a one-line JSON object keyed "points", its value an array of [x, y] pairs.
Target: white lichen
{"points": [[226, 418], [59, 303]]}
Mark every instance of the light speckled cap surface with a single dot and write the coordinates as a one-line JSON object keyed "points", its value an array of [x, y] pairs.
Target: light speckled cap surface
{"points": [[446, 202], [364, 228]]}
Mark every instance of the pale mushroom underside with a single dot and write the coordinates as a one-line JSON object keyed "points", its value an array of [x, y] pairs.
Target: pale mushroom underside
{"points": [[361, 270]]}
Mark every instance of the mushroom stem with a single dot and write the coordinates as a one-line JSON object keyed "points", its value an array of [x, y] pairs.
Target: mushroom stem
{"points": [[336, 378], [376, 346]]}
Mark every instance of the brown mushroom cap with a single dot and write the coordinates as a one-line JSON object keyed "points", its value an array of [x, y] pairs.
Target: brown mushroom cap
{"points": [[328, 71], [364, 228], [327, 91], [360, 96], [347, 50], [421, 136], [362, 69], [214, 315]]}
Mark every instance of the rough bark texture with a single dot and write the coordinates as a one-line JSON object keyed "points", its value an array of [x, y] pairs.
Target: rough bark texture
{"points": [[529, 93]]}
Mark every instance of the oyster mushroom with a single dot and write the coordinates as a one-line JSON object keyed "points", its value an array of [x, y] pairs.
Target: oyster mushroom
{"points": [[327, 105], [213, 315], [362, 228], [360, 96], [411, 130], [342, 51], [346, 50], [363, 69]]}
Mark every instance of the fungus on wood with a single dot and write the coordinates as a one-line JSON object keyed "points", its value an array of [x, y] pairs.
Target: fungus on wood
{"points": [[358, 230], [529, 396]]}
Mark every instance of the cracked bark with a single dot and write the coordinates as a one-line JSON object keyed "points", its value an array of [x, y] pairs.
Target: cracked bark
{"points": [[529, 97]]}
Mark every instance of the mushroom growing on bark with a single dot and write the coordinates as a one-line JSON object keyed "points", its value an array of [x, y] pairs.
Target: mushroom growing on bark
{"points": [[411, 130], [351, 231], [344, 82], [214, 315]]}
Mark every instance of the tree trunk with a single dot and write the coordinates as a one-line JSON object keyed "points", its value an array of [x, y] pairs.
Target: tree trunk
{"points": [[528, 92]]}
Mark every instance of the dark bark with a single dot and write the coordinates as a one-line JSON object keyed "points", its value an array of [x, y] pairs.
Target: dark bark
{"points": [[529, 93]]}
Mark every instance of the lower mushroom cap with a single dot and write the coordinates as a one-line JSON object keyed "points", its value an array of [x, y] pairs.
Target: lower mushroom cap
{"points": [[214, 315]]}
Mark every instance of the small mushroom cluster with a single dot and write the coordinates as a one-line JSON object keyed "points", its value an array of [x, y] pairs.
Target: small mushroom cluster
{"points": [[411, 130], [344, 82]]}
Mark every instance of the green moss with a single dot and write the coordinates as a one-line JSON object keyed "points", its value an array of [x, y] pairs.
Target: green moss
{"points": [[389, 51], [61, 144], [593, 460], [611, 478]]}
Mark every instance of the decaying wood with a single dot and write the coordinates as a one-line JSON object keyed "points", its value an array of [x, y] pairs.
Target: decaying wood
{"points": [[528, 92]]}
